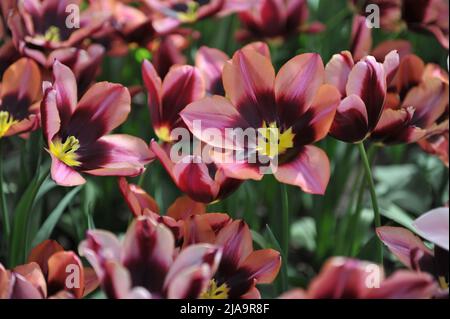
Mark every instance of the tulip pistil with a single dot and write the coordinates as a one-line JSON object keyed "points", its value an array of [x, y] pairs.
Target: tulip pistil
{"points": [[66, 152], [272, 142], [215, 292], [6, 121]]}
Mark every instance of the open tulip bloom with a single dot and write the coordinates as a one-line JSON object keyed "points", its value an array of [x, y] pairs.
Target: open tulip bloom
{"points": [[289, 111], [74, 131]]}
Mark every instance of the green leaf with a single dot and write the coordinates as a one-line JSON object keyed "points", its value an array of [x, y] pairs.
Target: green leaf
{"points": [[395, 213], [274, 243], [21, 218], [47, 228], [304, 233]]}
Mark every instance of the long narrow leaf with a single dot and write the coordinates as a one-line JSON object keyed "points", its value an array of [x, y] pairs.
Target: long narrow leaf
{"points": [[47, 228]]}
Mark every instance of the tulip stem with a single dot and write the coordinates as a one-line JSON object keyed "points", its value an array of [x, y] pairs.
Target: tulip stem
{"points": [[4, 206], [373, 196], [285, 229]]}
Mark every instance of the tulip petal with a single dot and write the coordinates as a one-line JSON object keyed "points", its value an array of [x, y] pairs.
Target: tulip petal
{"points": [[42, 252], [193, 257], [65, 272], [153, 85], [6, 283], [215, 115], [361, 42], [434, 227], [338, 70], [116, 155], [148, 253], [368, 81], [249, 81], [184, 207], [21, 86], [182, 86], [351, 121], [315, 124], [32, 273], [262, 265], [296, 85], [64, 175], [210, 62], [51, 121], [65, 85], [137, 199], [401, 242], [309, 170], [236, 241], [405, 285], [103, 108], [189, 283]]}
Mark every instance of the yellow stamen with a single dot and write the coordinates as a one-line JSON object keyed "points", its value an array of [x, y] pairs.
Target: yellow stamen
{"points": [[6, 121], [191, 13], [215, 292], [53, 34], [66, 152], [443, 282], [163, 133], [271, 142]]}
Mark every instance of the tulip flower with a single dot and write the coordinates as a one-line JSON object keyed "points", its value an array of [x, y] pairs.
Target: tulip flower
{"points": [[142, 204], [345, 278], [277, 18], [19, 98], [145, 265], [433, 226], [167, 51], [74, 131], [437, 145], [363, 86], [291, 111], [84, 63], [46, 275], [126, 25], [173, 13], [181, 86], [423, 16], [241, 268], [417, 103], [41, 26]]}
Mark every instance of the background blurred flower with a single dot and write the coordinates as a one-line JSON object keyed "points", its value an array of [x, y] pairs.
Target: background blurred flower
{"points": [[344, 278], [277, 18], [46, 275], [433, 226], [39, 27], [417, 103], [75, 131], [146, 265]]}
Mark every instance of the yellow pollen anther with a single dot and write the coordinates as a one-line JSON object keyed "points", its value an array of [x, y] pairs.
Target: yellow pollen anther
{"points": [[191, 13], [6, 121], [53, 34], [215, 292], [66, 152], [163, 133], [271, 142], [443, 282]]}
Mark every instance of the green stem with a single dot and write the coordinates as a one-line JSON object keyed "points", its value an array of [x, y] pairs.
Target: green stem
{"points": [[373, 196], [285, 229], [284, 235], [4, 206]]}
